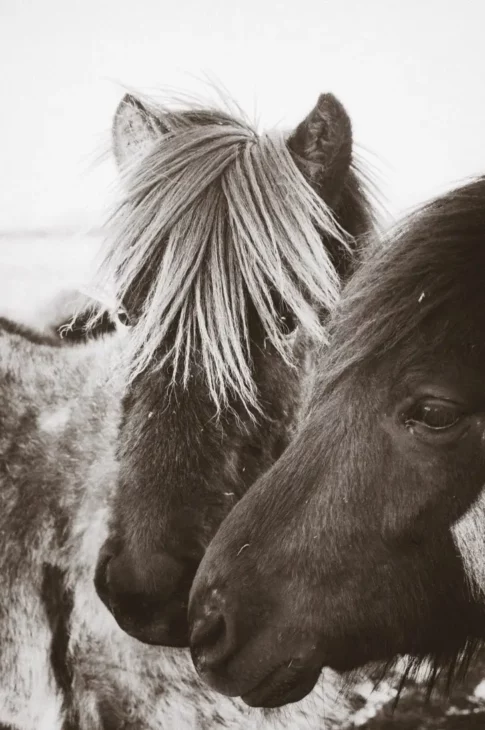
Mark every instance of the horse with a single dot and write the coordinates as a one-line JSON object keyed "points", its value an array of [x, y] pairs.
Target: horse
{"points": [[75, 418], [365, 541], [65, 663], [226, 254]]}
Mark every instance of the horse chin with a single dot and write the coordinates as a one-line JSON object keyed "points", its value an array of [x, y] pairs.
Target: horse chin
{"points": [[262, 675], [282, 687], [157, 632]]}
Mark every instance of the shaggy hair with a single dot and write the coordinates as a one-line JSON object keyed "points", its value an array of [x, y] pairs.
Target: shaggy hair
{"points": [[64, 662], [397, 286], [220, 213], [194, 207]]}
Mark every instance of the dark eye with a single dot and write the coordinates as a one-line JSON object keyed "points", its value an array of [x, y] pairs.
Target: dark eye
{"points": [[435, 415], [288, 323], [123, 317], [287, 319]]}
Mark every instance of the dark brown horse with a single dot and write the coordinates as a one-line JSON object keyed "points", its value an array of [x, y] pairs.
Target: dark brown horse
{"points": [[359, 544], [227, 252]]}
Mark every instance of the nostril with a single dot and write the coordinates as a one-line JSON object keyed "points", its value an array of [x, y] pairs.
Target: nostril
{"points": [[208, 631], [101, 577], [146, 594], [211, 640], [143, 587]]}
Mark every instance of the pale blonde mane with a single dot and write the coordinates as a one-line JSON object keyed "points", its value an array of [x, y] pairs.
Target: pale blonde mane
{"points": [[211, 213]]}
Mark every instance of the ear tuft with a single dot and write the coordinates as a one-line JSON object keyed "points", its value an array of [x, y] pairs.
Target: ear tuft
{"points": [[322, 146], [135, 129]]}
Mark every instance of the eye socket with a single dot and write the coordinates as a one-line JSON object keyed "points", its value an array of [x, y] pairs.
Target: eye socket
{"points": [[434, 415]]}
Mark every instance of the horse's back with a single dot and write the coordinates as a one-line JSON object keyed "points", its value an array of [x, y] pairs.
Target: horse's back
{"points": [[58, 412]]}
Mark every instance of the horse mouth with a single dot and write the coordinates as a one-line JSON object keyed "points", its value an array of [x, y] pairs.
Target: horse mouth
{"points": [[282, 686], [155, 632], [151, 628]]}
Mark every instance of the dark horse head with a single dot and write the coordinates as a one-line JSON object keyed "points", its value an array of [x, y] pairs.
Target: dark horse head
{"points": [[345, 551], [227, 252]]}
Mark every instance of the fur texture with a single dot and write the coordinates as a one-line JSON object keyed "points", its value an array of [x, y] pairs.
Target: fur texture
{"points": [[227, 259], [353, 534], [86, 446], [60, 414], [218, 211]]}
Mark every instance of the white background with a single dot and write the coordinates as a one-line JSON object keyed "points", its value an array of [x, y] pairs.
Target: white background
{"points": [[411, 74]]}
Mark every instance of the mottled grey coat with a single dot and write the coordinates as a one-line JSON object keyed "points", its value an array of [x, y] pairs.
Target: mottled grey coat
{"points": [[64, 661]]}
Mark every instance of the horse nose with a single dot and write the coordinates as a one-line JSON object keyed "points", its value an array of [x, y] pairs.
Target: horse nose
{"points": [[147, 595], [212, 634], [105, 556], [158, 575]]}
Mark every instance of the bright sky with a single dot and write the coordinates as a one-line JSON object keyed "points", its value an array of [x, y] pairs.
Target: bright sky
{"points": [[411, 74]]}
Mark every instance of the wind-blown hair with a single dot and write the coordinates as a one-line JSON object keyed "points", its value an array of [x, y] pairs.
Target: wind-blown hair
{"points": [[213, 215]]}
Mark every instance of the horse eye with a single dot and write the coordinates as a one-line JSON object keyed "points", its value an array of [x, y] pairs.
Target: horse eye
{"points": [[287, 320], [123, 317], [434, 415], [288, 323]]}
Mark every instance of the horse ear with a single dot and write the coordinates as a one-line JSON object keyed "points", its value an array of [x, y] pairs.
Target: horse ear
{"points": [[135, 129], [321, 146]]}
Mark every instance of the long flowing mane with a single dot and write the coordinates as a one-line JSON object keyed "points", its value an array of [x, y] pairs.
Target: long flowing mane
{"points": [[213, 214]]}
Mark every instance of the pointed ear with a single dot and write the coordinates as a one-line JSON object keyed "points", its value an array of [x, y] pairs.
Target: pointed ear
{"points": [[135, 129], [322, 147]]}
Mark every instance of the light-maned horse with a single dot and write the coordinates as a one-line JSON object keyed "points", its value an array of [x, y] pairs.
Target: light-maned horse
{"points": [[226, 256], [366, 540]]}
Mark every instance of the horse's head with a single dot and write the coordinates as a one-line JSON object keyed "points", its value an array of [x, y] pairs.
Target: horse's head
{"points": [[350, 540], [227, 254]]}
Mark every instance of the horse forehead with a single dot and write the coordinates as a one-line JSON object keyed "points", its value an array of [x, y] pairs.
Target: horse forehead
{"points": [[54, 419]]}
